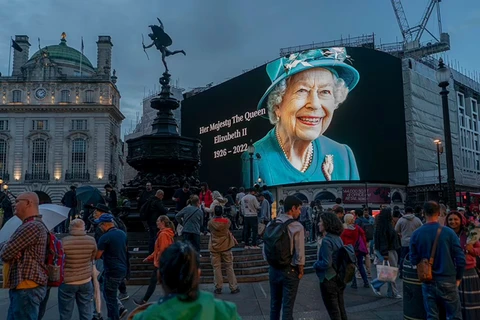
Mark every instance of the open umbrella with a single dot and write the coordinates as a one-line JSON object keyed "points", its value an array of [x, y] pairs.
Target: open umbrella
{"points": [[89, 195], [52, 215]]}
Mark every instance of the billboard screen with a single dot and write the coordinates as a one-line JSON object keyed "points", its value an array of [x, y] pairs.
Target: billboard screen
{"points": [[324, 115]]}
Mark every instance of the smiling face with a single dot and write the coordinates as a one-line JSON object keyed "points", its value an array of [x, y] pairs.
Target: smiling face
{"points": [[454, 222], [308, 105]]}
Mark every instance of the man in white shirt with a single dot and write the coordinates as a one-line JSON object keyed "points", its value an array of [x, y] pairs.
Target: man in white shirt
{"points": [[250, 207]]}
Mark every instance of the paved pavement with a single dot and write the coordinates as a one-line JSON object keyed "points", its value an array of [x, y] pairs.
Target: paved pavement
{"points": [[254, 299]]}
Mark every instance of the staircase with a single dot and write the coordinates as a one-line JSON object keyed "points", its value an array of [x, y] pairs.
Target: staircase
{"points": [[249, 265]]}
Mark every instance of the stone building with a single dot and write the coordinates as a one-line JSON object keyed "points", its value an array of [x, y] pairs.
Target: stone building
{"points": [[60, 120]]}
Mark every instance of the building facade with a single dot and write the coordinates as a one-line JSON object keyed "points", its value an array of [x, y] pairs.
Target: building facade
{"points": [[60, 120]]}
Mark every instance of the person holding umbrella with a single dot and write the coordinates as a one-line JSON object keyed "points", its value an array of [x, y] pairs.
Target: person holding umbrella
{"points": [[69, 200]]}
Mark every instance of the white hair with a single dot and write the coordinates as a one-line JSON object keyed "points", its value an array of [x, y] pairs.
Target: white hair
{"points": [[340, 92]]}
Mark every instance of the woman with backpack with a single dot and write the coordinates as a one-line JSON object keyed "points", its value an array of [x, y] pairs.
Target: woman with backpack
{"points": [[355, 236], [164, 240], [331, 286], [386, 246], [180, 278]]}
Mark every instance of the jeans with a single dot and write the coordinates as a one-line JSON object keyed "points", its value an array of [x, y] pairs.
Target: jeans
{"points": [[25, 303], [283, 291], [332, 296], [123, 287], [227, 258], [251, 227], [403, 254], [43, 305], [392, 290], [110, 288], [152, 236], [82, 294], [194, 239], [361, 268], [151, 286], [101, 281], [444, 293]]}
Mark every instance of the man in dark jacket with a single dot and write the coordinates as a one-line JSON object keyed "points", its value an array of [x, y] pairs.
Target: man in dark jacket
{"points": [[448, 265], [111, 198], [145, 195], [155, 209], [6, 205], [69, 200]]}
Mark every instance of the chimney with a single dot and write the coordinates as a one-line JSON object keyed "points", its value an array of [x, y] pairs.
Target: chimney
{"points": [[104, 55], [20, 58]]}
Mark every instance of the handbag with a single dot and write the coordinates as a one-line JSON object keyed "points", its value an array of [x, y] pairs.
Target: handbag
{"points": [[386, 273], [424, 267]]}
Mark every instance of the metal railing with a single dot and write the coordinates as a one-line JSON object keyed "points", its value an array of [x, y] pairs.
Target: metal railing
{"points": [[37, 176], [77, 176]]}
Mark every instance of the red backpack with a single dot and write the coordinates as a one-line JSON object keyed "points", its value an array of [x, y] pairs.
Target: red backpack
{"points": [[55, 260]]}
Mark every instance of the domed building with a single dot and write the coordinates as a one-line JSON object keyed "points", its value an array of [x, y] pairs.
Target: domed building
{"points": [[60, 120]]}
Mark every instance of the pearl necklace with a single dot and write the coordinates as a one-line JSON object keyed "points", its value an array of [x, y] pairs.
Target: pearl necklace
{"points": [[307, 160]]}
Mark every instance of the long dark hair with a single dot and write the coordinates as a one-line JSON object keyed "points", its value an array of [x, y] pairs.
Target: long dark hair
{"points": [[383, 223], [179, 265], [331, 223]]}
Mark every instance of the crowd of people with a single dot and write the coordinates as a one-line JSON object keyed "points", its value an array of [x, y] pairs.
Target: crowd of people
{"points": [[281, 230]]}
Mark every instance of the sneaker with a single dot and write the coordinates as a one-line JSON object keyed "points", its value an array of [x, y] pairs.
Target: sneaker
{"points": [[122, 312], [123, 296], [139, 302], [247, 247], [366, 285], [398, 296], [235, 291], [377, 292], [255, 247], [217, 291]]}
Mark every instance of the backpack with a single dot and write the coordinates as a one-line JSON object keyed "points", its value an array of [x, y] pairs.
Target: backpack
{"points": [[55, 260], [146, 208], [277, 244], [345, 261]]}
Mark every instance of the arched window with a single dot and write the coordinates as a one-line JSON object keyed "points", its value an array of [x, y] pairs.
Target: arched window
{"points": [[79, 159], [3, 159], [17, 96], [39, 159], [65, 96]]}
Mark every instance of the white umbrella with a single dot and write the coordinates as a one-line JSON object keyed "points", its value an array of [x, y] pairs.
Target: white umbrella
{"points": [[52, 215]]}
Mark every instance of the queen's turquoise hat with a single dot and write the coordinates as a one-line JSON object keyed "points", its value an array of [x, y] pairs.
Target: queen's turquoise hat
{"points": [[332, 59]]}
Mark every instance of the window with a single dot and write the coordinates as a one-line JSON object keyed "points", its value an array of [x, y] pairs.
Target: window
{"points": [[474, 106], [79, 158], [65, 96], [3, 125], [475, 122], [3, 158], [89, 96], [17, 96], [79, 124], [461, 100], [39, 159], [40, 124]]}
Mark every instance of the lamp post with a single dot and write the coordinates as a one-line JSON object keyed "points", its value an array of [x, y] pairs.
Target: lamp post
{"points": [[443, 76], [438, 142], [251, 151]]}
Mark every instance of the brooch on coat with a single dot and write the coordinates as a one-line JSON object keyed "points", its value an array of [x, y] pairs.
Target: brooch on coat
{"points": [[327, 167]]}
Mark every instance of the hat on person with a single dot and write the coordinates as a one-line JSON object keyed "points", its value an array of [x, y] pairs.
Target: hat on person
{"points": [[331, 59], [101, 207], [104, 218]]}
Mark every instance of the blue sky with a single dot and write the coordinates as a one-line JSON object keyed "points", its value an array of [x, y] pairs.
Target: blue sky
{"points": [[221, 37]]}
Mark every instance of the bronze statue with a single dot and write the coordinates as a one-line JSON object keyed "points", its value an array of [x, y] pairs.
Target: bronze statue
{"points": [[161, 40]]}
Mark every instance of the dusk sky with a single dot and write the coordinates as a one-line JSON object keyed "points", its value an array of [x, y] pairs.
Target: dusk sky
{"points": [[221, 37]]}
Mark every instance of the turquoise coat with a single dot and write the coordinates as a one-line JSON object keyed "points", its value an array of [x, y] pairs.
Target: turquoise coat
{"points": [[275, 169]]}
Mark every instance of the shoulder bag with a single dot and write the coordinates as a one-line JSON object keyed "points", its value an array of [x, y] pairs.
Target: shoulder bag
{"points": [[424, 268]]}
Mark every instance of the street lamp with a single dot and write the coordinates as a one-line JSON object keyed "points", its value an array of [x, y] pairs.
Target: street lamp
{"points": [[443, 76], [438, 142], [251, 151], [5, 187]]}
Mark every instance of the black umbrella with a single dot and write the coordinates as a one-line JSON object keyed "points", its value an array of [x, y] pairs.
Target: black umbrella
{"points": [[89, 195]]}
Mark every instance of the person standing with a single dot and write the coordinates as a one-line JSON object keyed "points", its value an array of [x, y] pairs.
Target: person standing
{"points": [[111, 198], [164, 240], [155, 209], [69, 200], [181, 196], [6, 205], [112, 248], [469, 289], [355, 236], [206, 200], [145, 195], [448, 265], [191, 218], [405, 227], [25, 254], [80, 251], [250, 207], [331, 286], [306, 219], [284, 279], [238, 197], [220, 247], [386, 246]]}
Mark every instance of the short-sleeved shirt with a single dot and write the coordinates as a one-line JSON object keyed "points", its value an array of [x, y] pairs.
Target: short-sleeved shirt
{"points": [[113, 243], [182, 198]]}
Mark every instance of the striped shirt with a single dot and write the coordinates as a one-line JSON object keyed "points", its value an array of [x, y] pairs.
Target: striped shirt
{"points": [[26, 252]]}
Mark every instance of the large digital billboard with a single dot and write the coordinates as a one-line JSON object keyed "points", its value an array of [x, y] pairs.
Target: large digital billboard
{"points": [[323, 115]]}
